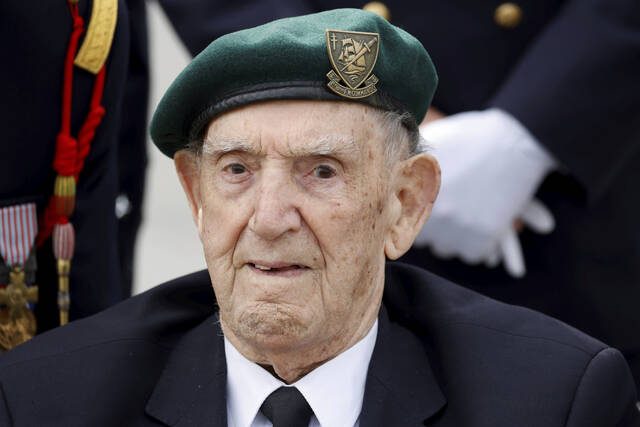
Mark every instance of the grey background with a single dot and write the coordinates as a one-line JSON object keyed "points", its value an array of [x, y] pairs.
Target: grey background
{"points": [[168, 244]]}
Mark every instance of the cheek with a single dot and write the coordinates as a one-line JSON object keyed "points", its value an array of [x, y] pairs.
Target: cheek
{"points": [[223, 218], [352, 242], [357, 223], [223, 221]]}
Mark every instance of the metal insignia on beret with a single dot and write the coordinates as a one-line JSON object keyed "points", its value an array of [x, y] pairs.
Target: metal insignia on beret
{"points": [[353, 56]]}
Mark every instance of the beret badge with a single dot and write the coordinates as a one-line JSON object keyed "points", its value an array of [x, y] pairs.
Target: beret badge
{"points": [[353, 55]]}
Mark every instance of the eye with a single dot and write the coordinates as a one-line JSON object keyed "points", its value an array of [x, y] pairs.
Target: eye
{"points": [[324, 172], [235, 168]]}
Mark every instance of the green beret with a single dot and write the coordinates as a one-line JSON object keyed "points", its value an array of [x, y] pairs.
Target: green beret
{"points": [[343, 54]]}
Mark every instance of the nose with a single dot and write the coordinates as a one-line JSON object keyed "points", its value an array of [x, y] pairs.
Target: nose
{"points": [[276, 209]]}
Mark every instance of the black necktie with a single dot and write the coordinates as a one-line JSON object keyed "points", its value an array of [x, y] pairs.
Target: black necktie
{"points": [[287, 407]]}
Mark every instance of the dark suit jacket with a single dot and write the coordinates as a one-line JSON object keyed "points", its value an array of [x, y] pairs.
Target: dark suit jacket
{"points": [[444, 356]]}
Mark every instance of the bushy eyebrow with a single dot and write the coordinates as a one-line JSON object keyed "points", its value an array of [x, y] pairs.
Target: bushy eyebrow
{"points": [[326, 145], [220, 146]]}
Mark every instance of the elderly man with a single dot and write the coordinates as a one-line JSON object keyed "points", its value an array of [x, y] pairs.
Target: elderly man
{"points": [[296, 143]]}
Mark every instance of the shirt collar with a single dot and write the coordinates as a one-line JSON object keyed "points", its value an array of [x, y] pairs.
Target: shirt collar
{"points": [[334, 390]]}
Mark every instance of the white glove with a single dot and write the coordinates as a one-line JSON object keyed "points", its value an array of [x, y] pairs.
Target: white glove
{"points": [[491, 167], [536, 217]]}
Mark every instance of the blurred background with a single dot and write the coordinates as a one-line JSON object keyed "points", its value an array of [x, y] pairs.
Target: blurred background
{"points": [[168, 244]]}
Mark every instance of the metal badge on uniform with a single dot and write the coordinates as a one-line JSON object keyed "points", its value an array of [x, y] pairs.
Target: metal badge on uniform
{"points": [[353, 56], [18, 228]]}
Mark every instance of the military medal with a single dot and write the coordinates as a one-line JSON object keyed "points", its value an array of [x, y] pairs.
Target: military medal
{"points": [[18, 226], [353, 55]]}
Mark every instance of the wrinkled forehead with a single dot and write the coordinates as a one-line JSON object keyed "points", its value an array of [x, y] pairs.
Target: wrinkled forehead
{"points": [[296, 128]]}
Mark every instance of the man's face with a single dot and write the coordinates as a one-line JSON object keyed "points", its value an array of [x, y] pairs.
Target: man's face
{"points": [[292, 203]]}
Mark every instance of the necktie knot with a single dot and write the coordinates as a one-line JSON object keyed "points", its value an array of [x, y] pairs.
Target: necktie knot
{"points": [[287, 407]]}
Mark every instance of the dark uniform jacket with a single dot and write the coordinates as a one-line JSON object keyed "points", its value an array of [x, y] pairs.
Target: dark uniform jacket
{"points": [[34, 42], [444, 356]]}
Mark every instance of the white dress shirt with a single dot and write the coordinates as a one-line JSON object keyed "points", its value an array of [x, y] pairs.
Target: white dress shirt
{"points": [[334, 390]]}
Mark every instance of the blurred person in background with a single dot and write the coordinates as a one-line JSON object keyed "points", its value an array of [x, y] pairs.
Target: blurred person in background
{"points": [[540, 126], [62, 118]]}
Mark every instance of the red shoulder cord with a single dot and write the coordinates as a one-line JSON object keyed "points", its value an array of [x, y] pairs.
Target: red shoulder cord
{"points": [[71, 152], [68, 162]]}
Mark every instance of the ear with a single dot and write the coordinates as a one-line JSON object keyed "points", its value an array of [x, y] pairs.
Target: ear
{"points": [[416, 185], [188, 171]]}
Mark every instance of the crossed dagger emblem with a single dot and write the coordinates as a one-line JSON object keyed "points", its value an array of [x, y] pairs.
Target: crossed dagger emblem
{"points": [[366, 47]]}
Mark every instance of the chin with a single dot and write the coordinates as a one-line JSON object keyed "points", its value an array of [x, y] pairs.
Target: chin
{"points": [[272, 326]]}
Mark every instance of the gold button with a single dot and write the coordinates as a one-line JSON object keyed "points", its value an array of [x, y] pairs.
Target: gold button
{"points": [[378, 8], [508, 15]]}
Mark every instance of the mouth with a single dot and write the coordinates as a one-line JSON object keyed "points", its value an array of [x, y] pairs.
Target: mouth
{"points": [[277, 268]]}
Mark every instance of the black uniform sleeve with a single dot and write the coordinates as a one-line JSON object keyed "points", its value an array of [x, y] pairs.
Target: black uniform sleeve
{"points": [[577, 88], [606, 395], [5, 416], [199, 22]]}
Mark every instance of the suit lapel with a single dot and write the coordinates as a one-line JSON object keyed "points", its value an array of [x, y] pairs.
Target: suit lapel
{"points": [[401, 389], [191, 389]]}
